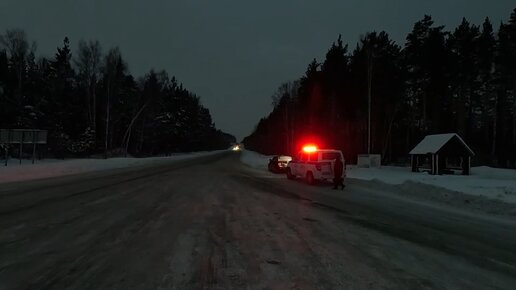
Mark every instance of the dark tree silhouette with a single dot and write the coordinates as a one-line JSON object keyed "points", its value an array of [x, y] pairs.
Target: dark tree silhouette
{"points": [[95, 106], [439, 82]]}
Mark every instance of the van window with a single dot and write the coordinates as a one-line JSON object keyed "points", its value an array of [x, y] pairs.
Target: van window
{"points": [[330, 156], [313, 156]]}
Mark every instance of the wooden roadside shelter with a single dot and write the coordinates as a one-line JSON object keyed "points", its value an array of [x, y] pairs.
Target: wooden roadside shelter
{"points": [[445, 152]]}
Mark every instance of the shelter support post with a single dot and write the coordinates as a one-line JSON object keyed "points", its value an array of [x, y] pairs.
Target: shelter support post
{"points": [[413, 162], [7, 146], [432, 166], [21, 148], [33, 146], [466, 165], [437, 165]]}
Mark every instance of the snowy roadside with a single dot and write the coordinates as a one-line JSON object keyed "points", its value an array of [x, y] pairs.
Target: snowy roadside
{"points": [[53, 167], [491, 183], [489, 190], [255, 160]]}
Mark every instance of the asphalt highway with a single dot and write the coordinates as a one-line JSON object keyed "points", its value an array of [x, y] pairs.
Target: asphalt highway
{"points": [[214, 223]]}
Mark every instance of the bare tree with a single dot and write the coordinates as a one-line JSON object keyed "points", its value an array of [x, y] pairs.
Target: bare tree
{"points": [[88, 64], [17, 46], [285, 96], [128, 132], [113, 70]]}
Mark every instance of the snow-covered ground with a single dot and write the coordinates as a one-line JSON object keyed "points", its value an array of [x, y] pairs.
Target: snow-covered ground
{"points": [[255, 160], [216, 227], [54, 167], [491, 183]]}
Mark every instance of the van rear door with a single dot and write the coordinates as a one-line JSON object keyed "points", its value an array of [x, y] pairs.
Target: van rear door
{"points": [[326, 168], [328, 158]]}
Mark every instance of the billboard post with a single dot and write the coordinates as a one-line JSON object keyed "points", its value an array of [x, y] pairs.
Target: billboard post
{"points": [[21, 146], [33, 147]]}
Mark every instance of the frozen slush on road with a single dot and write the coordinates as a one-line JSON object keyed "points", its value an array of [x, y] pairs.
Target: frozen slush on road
{"points": [[158, 227]]}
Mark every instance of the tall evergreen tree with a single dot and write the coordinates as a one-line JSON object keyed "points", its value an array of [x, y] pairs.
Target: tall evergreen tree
{"points": [[487, 90], [335, 74], [62, 106], [512, 63], [426, 60], [17, 46], [504, 82], [7, 110], [463, 44], [377, 63]]}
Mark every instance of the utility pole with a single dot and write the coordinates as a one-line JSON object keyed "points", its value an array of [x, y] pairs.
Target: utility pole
{"points": [[287, 127], [106, 144], [370, 55]]}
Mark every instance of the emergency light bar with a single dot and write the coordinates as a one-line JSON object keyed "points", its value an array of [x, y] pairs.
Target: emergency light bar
{"points": [[309, 148]]}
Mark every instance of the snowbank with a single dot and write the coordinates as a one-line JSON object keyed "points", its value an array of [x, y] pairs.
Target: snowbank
{"points": [[255, 160], [52, 168], [486, 182], [493, 183]]}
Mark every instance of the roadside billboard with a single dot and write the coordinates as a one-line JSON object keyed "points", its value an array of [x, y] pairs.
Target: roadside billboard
{"points": [[21, 137], [25, 136]]}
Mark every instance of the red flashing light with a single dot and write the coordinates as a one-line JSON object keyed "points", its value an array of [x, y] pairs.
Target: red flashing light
{"points": [[309, 148]]}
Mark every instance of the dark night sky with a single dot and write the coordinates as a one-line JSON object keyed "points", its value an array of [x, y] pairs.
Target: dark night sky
{"points": [[232, 53]]}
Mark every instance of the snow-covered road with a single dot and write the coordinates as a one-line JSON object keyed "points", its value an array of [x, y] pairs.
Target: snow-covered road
{"points": [[47, 168], [213, 223]]}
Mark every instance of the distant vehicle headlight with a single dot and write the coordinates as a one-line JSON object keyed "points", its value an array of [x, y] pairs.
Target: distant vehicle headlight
{"points": [[236, 148]]}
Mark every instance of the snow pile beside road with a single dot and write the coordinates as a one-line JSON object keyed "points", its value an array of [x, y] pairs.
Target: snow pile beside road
{"points": [[492, 183], [255, 160], [487, 189], [53, 167]]}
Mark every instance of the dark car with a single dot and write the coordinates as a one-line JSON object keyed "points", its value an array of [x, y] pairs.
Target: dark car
{"points": [[278, 164]]}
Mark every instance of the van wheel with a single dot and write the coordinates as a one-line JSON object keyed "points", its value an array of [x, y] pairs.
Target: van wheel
{"points": [[310, 178], [290, 175]]}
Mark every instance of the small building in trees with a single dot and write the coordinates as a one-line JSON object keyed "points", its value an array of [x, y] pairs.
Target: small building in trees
{"points": [[444, 153]]}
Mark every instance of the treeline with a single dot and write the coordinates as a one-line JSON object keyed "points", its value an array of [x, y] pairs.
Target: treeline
{"points": [[461, 81], [91, 104]]}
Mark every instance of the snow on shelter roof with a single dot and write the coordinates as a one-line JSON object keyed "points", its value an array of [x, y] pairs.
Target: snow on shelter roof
{"points": [[433, 143]]}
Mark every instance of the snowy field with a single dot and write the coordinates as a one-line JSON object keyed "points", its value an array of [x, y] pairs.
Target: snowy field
{"points": [[491, 183], [54, 167]]}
